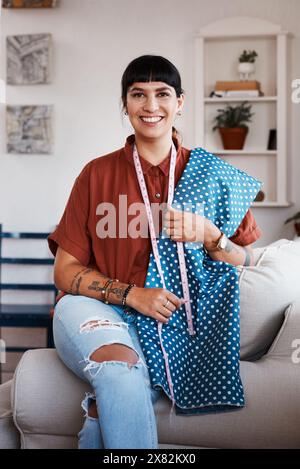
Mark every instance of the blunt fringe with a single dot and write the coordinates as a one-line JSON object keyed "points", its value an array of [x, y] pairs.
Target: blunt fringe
{"points": [[150, 68]]}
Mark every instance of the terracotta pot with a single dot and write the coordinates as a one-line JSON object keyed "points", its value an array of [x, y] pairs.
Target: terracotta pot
{"points": [[233, 138], [260, 196]]}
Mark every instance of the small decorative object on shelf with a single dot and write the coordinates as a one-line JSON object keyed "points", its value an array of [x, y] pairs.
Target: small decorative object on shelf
{"points": [[260, 196], [246, 64], [272, 141], [296, 219], [231, 124], [28, 3], [237, 89]]}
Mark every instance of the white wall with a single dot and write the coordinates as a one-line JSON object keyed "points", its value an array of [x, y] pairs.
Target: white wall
{"points": [[94, 40]]}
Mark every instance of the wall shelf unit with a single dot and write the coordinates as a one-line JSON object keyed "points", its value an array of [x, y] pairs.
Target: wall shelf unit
{"points": [[218, 46]]}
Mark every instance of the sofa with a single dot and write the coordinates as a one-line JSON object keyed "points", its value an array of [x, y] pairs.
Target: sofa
{"points": [[41, 406]]}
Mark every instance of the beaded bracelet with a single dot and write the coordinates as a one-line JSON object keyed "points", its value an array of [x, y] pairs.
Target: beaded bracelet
{"points": [[130, 286]]}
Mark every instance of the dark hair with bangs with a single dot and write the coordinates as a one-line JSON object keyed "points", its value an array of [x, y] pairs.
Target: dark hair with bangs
{"points": [[150, 68]]}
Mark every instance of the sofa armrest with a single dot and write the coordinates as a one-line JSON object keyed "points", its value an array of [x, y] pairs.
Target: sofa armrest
{"points": [[9, 435], [287, 341], [46, 396]]}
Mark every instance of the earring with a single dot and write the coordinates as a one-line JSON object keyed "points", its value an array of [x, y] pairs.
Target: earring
{"points": [[179, 113], [126, 113]]}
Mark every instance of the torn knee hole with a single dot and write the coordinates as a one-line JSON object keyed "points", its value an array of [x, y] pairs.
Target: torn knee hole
{"points": [[92, 410], [93, 324], [115, 352], [89, 405]]}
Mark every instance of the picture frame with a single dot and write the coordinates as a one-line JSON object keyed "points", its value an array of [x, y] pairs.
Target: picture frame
{"points": [[29, 129], [29, 59], [29, 3]]}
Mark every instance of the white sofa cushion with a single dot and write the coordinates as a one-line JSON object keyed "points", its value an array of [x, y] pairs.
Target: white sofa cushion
{"points": [[9, 435], [266, 290]]}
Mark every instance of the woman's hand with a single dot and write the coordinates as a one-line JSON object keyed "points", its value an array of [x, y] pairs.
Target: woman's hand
{"points": [[157, 303], [189, 227]]}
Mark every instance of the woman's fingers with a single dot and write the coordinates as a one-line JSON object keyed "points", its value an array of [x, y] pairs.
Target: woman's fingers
{"points": [[170, 306], [177, 302], [161, 318], [161, 303], [164, 311]]}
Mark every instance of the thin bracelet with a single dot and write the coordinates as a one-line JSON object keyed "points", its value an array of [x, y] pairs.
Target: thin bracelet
{"points": [[107, 292], [130, 286], [103, 290]]}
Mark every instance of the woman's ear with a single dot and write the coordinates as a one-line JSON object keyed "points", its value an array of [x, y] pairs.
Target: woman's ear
{"points": [[180, 102]]}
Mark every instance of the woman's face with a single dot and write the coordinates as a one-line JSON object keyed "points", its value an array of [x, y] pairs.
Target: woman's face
{"points": [[152, 108]]}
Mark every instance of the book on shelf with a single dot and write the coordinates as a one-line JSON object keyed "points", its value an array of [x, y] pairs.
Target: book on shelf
{"points": [[236, 94], [237, 85]]}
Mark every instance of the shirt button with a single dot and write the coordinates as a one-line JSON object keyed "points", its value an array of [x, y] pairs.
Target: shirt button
{"points": [[157, 195]]}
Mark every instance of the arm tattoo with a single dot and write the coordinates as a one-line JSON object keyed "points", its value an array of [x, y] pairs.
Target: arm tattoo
{"points": [[95, 286], [83, 272], [119, 292], [230, 246], [78, 285]]}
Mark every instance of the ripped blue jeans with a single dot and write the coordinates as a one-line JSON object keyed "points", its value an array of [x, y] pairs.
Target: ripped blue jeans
{"points": [[123, 394]]}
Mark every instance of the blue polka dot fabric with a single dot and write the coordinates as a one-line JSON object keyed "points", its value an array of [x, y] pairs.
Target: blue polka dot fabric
{"points": [[204, 368]]}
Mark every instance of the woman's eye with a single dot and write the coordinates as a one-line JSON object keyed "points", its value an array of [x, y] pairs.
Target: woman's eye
{"points": [[138, 95]]}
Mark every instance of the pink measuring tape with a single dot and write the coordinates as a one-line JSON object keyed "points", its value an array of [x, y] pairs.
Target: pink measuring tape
{"points": [[180, 251]]}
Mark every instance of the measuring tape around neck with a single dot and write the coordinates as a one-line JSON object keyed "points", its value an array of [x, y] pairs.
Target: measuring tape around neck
{"points": [[180, 249]]}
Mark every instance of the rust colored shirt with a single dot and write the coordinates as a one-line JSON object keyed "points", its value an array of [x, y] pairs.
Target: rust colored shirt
{"points": [[102, 180]]}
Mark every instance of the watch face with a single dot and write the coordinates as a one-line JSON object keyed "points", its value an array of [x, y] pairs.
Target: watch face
{"points": [[223, 242]]}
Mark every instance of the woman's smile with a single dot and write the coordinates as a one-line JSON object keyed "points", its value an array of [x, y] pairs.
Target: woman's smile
{"points": [[151, 121]]}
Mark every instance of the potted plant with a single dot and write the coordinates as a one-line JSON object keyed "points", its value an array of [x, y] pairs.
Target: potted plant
{"points": [[231, 123], [296, 219], [246, 64]]}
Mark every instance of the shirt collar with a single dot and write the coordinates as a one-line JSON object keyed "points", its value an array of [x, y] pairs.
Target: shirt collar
{"points": [[164, 166]]}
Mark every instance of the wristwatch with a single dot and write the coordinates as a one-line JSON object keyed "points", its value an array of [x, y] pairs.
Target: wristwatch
{"points": [[220, 246], [222, 242]]}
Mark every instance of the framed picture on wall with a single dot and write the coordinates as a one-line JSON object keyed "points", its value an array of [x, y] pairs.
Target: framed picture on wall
{"points": [[29, 3], [29, 129], [28, 59]]}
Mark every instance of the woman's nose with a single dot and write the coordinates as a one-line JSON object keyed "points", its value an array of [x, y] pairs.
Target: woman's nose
{"points": [[151, 104]]}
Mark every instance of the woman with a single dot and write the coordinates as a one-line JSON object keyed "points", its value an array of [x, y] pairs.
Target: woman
{"points": [[101, 260]]}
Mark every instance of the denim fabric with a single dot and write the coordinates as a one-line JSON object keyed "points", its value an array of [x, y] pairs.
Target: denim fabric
{"points": [[123, 392]]}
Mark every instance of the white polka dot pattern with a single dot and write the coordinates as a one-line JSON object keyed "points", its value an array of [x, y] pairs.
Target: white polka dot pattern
{"points": [[204, 368]]}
